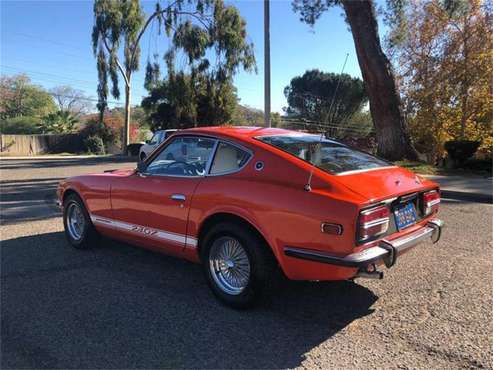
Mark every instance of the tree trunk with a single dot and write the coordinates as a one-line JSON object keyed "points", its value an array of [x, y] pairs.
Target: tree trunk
{"points": [[393, 141], [126, 129]]}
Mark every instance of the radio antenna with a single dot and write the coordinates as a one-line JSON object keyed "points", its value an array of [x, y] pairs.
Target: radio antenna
{"points": [[308, 186]]}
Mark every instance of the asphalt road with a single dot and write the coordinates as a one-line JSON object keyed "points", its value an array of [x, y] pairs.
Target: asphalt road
{"points": [[117, 306]]}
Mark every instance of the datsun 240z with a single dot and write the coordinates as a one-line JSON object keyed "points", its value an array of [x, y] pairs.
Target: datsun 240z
{"points": [[246, 201]]}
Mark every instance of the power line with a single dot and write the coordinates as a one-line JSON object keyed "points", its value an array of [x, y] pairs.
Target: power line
{"points": [[84, 98], [54, 75], [44, 73]]}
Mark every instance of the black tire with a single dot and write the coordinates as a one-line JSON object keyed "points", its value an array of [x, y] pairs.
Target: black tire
{"points": [[263, 264], [142, 157], [88, 234]]}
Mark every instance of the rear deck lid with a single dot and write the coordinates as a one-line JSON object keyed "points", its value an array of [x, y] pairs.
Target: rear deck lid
{"points": [[381, 183]]}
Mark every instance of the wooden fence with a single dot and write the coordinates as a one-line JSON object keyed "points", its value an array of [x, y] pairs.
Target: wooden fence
{"points": [[27, 145]]}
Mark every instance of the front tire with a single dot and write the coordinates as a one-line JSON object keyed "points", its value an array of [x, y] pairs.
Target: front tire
{"points": [[79, 230], [237, 264]]}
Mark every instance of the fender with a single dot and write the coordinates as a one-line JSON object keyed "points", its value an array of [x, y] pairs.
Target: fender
{"points": [[196, 226]]}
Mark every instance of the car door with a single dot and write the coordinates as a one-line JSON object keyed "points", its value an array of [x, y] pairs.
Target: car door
{"points": [[154, 203]]}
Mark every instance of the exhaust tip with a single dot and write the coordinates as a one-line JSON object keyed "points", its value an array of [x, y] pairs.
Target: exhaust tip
{"points": [[370, 272]]}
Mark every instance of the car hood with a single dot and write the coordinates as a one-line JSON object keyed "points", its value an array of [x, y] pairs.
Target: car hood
{"points": [[382, 183]]}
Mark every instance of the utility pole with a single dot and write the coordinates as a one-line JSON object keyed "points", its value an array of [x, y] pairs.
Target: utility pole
{"points": [[267, 63]]}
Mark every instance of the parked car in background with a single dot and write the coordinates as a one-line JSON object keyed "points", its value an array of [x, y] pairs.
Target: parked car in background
{"points": [[158, 137], [245, 202]]}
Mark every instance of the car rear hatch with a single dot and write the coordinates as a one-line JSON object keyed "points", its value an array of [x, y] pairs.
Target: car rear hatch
{"points": [[382, 183]]}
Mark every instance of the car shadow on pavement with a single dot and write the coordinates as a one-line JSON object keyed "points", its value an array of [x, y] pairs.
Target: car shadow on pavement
{"points": [[117, 306], [28, 200]]}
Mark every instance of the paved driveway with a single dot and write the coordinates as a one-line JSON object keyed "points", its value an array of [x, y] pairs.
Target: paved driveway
{"points": [[117, 306]]}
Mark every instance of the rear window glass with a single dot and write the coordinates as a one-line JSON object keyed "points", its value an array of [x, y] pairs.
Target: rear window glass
{"points": [[326, 154]]}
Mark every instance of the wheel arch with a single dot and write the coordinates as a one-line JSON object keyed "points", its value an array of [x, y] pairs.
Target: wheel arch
{"points": [[219, 217], [70, 191]]}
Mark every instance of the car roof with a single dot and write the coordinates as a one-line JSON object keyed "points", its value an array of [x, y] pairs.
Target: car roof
{"points": [[239, 132]]}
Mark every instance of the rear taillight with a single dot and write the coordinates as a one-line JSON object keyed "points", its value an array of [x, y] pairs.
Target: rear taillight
{"points": [[373, 222], [431, 202]]}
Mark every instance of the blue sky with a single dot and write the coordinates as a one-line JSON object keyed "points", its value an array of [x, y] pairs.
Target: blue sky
{"points": [[51, 42]]}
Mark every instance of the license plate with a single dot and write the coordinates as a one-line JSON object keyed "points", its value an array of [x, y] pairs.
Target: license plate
{"points": [[405, 215]]}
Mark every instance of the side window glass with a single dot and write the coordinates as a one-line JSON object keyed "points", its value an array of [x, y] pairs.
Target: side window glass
{"points": [[155, 139], [228, 158], [186, 156]]}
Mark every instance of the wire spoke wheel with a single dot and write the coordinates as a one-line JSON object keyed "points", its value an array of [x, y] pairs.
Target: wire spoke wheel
{"points": [[229, 265], [75, 221]]}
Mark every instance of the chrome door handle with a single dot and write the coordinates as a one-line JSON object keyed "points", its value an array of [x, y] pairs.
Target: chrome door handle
{"points": [[179, 197]]}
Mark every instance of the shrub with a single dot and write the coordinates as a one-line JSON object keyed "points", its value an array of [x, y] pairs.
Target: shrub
{"points": [[94, 144], [461, 150], [23, 125], [98, 129], [484, 166]]}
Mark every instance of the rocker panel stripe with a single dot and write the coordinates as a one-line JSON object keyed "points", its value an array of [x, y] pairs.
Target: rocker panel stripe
{"points": [[146, 231]]}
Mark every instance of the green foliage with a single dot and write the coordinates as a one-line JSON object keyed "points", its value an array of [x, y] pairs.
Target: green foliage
{"points": [[311, 10], [461, 150], [395, 18], [94, 145], [196, 28], [115, 22], [418, 167], [58, 123], [247, 116], [96, 128], [23, 125], [19, 97], [183, 101], [325, 97]]}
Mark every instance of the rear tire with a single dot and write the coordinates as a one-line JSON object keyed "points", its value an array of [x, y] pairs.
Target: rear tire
{"points": [[238, 264], [79, 230]]}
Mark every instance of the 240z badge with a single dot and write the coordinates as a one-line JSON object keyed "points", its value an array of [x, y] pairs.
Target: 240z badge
{"points": [[143, 230]]}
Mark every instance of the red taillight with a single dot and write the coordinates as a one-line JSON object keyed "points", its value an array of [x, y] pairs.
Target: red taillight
{"points": [[431, 202], [373, 222]]}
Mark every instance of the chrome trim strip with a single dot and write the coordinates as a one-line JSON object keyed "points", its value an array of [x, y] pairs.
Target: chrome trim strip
{"points": [[238, 146], [146, 231], [371, 254], [378, 221], [408, 241], [364, 170], [433, 202], [211, 158]]}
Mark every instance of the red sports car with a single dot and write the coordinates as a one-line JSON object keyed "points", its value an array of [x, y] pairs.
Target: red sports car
{"points": [[245, 201]]}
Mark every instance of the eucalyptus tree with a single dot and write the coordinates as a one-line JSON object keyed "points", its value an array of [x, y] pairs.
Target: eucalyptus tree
{"points": [[393, 140], [196, 28]]}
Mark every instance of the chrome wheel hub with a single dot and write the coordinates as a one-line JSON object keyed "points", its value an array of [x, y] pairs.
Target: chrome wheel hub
{"points": [[229, 265], [75, 221]]}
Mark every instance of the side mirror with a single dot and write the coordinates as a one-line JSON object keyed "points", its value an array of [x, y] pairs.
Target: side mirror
{"points": [[148, 141]]}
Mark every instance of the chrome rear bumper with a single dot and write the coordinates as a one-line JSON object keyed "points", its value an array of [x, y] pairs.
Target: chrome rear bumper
{"points": [[386, 251]]}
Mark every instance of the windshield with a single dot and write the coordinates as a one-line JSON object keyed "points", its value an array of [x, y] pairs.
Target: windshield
{"points": [[328, 155]]}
